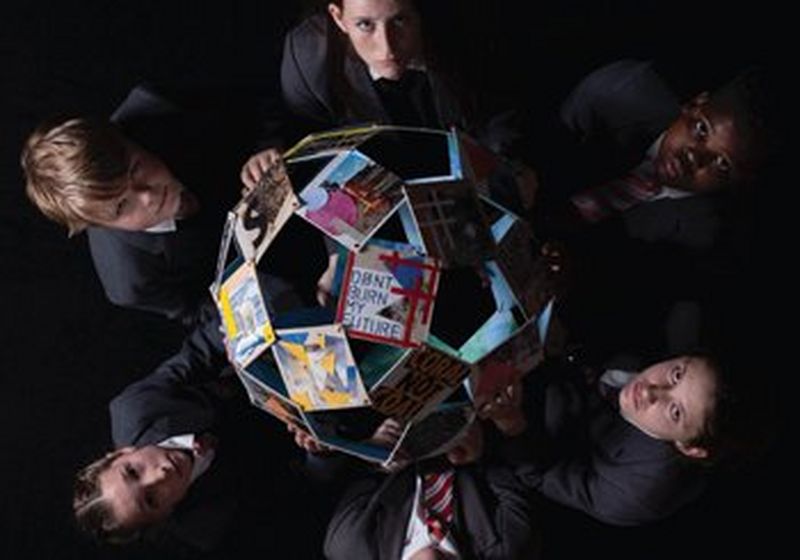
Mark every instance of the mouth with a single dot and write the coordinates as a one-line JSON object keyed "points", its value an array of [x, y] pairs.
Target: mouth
{"points": [[634, 396], [671, 169], [392, 63]]}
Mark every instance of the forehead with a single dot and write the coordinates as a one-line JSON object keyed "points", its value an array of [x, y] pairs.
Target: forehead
{"points": [[729, 133], [374, 7], [100, 208], [121, 494], [699, 386]]}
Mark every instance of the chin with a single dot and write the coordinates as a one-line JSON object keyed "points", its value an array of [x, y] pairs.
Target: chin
{"points": [[393, 72]]}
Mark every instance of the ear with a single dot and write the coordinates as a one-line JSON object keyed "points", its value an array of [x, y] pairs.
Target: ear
{"points": [[336, 15], [692, 451]]}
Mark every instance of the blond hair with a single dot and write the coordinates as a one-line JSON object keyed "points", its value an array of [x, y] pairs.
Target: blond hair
{"points": [[72, 166]]}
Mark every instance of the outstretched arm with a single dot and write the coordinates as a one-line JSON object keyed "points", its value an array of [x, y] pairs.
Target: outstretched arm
{"points": [[173, 390]]}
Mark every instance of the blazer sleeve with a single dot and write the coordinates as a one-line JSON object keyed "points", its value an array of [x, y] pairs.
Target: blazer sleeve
{"points": [[171, 398], [304, 81], [351, 531], [615, 493], [517, 533], [624, 95], [143, 101], [136, 274]]}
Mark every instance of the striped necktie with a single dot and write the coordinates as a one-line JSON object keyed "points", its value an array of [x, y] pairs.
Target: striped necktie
{"points": [[438, 502], [597, 203]]}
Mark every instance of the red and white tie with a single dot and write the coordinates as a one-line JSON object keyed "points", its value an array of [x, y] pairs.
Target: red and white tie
{"points": [[598, 203], [438, 502]]}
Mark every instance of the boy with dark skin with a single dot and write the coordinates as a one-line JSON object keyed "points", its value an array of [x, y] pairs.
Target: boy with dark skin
{"points": [[647, 202], [624, 119]]}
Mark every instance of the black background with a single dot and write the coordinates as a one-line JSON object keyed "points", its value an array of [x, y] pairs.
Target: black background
{"points": [[64, 351]]}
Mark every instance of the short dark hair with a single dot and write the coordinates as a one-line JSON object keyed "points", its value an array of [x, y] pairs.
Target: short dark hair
{"points": [[738, 430], [714, 423], [748, 96], [93, 514]]}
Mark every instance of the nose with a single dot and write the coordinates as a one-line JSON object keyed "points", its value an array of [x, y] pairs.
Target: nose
{"points": [[654, 392], [689, 158], [145, 194], [157, 474], [386, 42], [697, 158]]}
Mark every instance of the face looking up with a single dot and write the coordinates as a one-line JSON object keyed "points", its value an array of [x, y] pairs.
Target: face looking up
{"points": [[671, 401], [703, 150], [151, 195], [143, 485], [384, 33]]}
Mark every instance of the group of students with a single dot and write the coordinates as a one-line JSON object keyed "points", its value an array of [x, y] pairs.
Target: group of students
{"points": [[623, 443]]}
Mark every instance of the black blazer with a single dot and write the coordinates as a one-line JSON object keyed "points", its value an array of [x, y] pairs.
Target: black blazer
{"points": [[632, 268], [186, 394], [493, 517], [169, 273], [613, 116], [307, 85], [579, 452], [175, 400]]}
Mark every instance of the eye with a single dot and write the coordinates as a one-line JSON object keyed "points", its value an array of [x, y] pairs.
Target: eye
{"points": [[675, 412], [399, 21], [676, 373], [366, 25], [722, 165], [130, 472], [700, 129], [121, 207]]}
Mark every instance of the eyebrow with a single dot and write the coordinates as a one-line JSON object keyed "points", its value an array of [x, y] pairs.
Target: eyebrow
{"points": [[129, 481], [707, 118], [685, 417]]}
